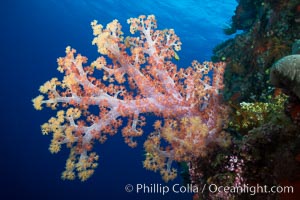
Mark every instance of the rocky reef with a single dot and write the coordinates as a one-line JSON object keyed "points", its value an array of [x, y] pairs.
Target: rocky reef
{"points": [[262, 87]]}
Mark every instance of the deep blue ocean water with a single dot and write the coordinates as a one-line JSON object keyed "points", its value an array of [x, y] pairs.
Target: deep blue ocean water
{"points": [[33, 34]]}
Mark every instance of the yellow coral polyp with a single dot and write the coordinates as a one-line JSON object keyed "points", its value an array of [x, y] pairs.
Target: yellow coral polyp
{"points": [[68, 49], [70, 165], [168, 175], [69, 80], [168, 134], [197, 126], [150, 166], [37, 102], [97, 28], [44, 88], [49, 85], [84, 167], [57, 134], [69, 134], [68, 175], [54, 147], [94, 22], [153, 162], [60, 116], [94, 165], [177, 48], [73, 112], [45, 129], [84, 175]]}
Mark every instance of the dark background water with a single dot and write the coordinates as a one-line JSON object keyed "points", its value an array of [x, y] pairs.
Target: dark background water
{"points": [[33, 34]]}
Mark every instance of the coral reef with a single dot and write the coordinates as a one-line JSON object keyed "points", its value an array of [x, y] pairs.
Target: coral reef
{"points": [[269, 30], [261, 87]]}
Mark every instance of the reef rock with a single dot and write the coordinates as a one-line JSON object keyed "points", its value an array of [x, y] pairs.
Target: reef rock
{"points": [[285, 73]]}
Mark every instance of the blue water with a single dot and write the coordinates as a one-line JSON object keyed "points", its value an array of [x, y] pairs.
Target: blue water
{"points": [[33, 34]]}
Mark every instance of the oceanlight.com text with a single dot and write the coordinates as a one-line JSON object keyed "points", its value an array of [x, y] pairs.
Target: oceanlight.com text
{"points": [[250, 189]]}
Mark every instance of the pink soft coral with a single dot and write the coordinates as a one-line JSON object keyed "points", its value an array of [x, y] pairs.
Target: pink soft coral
{"points": [[187, 99]]}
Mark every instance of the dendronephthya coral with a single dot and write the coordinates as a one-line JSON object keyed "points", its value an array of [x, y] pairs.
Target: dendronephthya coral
{"points": [[188, 99]]}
